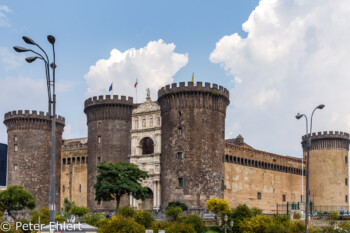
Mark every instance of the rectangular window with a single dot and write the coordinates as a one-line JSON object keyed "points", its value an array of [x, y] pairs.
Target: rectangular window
{"points": [[16, 167], [16, 148], [181, 182], [346, 198], [16, 138], [98, 160], [259, 195], [346, 159], [99, 139], [346, 181], [179, 155], [179, 132], [283, 197], [79, 187]]}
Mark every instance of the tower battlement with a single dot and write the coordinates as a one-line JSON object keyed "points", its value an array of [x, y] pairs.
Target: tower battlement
{"points": [[108, 99], [212, 97], [25, 119], [327, 140], [108, 108], [199, 87]]}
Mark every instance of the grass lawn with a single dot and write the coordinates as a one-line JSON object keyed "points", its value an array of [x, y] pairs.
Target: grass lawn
{"points": [[212, 229]]}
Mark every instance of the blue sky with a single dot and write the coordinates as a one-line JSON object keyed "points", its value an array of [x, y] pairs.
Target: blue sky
{"points": [[284, 48]]}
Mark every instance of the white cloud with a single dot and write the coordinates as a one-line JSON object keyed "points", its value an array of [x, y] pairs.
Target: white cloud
{"points": [[24, 93], [296, 55], [10, 60], [153, 65], [67, 133], [4, 10]]}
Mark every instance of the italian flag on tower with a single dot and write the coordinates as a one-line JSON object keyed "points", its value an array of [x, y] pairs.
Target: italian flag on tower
{"points": [[136, 83]]}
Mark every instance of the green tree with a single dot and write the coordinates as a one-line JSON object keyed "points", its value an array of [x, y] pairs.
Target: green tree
{"points": [[15, 198], [183, 206], [117, 179], [67, 204], [79, 211]]}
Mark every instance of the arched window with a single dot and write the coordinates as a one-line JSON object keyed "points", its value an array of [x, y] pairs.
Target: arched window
{"points": [[147, 146]]}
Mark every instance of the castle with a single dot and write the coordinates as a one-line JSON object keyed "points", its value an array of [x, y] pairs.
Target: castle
{"points": [[180, 141]]}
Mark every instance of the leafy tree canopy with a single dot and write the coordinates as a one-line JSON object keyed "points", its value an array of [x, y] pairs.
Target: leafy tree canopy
{"points": [[117, 179], [14, 198]]}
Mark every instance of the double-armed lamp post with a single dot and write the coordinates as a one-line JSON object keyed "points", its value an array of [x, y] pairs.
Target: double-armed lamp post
{"points": [[308, 145], [51, 104]]}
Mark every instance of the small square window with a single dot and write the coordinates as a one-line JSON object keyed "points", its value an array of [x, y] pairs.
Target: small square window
{"points": [[179, 155], [16, 148], [283, 197], [16, 167], [259, 195], [181, 182]]}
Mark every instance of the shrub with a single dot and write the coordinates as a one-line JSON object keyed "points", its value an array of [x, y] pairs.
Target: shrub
{"points": [[216, 205], [241, 212], [334, 215], [195, 221], [118, 224], [126, 211], [144, 218], [160, 225], [59, 218], [179, 228], [174, 213], [256, 211], [296, 215], [79, 211], [258, 224], [183, 206], [43, 213], [93, 219], [67, 205]]}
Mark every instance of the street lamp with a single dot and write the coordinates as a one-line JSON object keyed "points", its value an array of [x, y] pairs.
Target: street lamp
{"points": [[51, 104], [225, 223], [308, 144]]}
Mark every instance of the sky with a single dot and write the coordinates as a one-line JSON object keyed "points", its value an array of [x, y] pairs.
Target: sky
{"points": [[276, 57]]}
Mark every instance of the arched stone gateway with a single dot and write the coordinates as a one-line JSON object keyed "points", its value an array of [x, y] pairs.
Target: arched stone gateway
{"points": [[148, 203]]}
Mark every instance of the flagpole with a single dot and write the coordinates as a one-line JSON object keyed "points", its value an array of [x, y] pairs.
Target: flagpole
{"points": [[136, 94]]}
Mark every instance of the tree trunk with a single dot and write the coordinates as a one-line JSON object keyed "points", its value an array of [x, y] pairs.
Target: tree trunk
{"points": [[118, 202]]}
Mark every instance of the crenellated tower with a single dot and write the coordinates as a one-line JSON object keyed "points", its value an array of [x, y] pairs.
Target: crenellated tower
{"points": [[329, 177], [29, 153], [109, 125], [193, 133]]}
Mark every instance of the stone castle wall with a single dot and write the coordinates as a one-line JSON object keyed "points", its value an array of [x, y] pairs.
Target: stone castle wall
{"points": [[193, 131], [29, 153], [248, 172], [328, 168], [109, 125], [74, 171]]}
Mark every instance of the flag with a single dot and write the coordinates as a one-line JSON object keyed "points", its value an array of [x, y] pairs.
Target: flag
{"points": [[192, 76], [136, 83], [111, 87]]}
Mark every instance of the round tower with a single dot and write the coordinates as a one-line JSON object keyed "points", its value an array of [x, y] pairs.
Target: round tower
{"points": [[328, 168], [29, 153], [109, 125], [193, 134]]}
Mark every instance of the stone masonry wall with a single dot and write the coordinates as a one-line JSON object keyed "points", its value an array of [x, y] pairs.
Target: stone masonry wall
{"points": [[74, 171], [29, 153], [193, 124], [109, 125], [249, 172]]}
